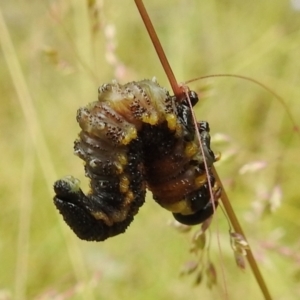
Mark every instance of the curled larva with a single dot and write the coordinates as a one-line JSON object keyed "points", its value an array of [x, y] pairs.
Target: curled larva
{"points": [[137, 136]]}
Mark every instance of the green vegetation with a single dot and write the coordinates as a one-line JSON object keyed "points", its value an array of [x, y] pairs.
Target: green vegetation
{"points": [[55, 54]]}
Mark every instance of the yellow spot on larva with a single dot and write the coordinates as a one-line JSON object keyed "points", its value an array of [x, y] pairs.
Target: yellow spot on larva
{"points": [[191, 149], [218, 156], [120, 163], [119, 167], [124, 184], [178, 131], [122, 159], [181, 206], [130, 135], [99, 215], [129, 197], [151, 119], [200, 180], [172, 121]]}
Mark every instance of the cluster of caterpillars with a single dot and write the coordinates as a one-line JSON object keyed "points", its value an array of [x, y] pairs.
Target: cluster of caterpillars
{"points": [[137, 136]]}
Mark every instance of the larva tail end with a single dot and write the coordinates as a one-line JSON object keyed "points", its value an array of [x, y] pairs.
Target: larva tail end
{"points": [[74, 206]]}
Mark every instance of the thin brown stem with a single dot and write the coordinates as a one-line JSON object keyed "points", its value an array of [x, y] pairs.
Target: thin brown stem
{"points": [[158, 47], [238, 229]]}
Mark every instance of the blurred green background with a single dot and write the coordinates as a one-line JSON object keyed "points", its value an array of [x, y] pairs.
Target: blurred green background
{"points": [[54, 56]]}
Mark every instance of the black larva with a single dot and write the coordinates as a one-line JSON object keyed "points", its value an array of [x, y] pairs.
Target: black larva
{"points": [[137, 136]]}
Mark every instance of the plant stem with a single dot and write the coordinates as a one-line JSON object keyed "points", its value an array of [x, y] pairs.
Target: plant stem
{"points": [[237, 228]]}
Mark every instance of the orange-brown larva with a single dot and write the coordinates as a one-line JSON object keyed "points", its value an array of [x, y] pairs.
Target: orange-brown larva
{"points": [[137, 136]]}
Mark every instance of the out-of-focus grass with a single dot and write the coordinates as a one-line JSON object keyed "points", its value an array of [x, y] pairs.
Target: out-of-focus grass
{"points": [[65, 50]]}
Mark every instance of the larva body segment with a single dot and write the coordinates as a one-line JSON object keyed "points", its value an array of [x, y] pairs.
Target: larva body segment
{"points": [[136, 136]]}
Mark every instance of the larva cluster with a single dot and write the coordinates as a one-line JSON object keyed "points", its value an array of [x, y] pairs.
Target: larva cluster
{"points": [[137, 136]]}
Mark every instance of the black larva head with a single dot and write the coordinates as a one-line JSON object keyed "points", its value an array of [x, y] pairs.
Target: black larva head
{"points": [[193, 98]]}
